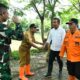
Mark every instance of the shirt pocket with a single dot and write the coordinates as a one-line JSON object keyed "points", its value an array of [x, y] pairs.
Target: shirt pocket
{"points": [[77, 42]]}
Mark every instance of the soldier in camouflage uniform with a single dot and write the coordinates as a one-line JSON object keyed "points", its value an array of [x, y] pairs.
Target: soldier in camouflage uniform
{"points": [[5, 39]]}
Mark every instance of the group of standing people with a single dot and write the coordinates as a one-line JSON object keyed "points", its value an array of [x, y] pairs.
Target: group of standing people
{"points": [[59, 41], [65, 42]]}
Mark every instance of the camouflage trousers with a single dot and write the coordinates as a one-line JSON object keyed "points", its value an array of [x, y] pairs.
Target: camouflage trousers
{"points": [[5, 72]]}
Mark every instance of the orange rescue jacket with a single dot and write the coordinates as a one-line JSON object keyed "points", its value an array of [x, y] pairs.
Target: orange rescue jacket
{"points": [[71, 45]]}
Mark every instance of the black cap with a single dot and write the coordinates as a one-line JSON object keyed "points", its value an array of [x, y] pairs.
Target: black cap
{"points": [[73, 20]]}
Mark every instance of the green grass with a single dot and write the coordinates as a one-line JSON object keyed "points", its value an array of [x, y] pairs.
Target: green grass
{"points": [[15, 54]]}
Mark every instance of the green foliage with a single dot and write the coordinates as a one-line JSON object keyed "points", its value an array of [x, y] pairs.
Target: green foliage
{"points": [[47, 25], [20, 0], [49, 7], [24, 24], [35, 51], [31, 4], [37, 22], [15, 54], [75, 4], [67, 14], [5, 2], [73, 1], [18, 12], [36, 1]]}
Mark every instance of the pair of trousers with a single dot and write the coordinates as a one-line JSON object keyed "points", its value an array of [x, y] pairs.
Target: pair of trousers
{"points": [[5, 71], [52, 56], [74, 69], [24, 54]]}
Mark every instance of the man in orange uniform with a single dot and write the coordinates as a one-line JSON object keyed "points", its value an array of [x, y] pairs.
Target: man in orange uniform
{"points": [[24, 52], [71, 45]]}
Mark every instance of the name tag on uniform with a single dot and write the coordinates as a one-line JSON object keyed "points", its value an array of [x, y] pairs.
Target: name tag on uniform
{"points": [[77, 43]]}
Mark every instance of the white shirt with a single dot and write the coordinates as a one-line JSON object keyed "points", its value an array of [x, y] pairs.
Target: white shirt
{"points": [[57, 37]]}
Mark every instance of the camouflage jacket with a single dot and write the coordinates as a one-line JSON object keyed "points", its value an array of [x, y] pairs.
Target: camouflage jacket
{"points": [[6, 34]]}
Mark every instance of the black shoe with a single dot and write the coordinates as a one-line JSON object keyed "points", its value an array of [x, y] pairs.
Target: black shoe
{"points": [[60, 75], [47, 76]]}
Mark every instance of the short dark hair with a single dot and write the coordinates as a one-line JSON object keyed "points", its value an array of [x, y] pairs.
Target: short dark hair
{"points": [[32, 26], [57, 19], [3, 8]]}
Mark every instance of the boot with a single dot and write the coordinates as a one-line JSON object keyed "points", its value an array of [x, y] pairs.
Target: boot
{"points": [[27, 70], [21, 74], [71, 77]]}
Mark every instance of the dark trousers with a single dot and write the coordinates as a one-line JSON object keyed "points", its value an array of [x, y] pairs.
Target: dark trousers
{"points": [[5, 71], [52, 56], [74, 69]]}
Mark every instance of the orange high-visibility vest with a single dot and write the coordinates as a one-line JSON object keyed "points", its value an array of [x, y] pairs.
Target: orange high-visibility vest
{"points": [[71, 46]]}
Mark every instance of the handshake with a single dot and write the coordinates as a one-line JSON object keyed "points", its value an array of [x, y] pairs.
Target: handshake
{"points": [[44, 47]]}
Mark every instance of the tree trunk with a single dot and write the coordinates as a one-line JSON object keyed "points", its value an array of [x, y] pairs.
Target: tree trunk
{"points": [[42, 29]]}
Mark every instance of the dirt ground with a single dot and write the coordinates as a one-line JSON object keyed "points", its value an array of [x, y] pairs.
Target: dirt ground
{"points": [[39, 66]]}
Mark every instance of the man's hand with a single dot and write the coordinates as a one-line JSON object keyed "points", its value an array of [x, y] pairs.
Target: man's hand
{"points": [[38, 42], [46, 46], [41, 48]]}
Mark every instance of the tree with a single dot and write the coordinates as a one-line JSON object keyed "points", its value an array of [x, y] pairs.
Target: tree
{"points": [[51, 5], [41, 13], [18, 12], [71, 11], [65, 15], [76, 4]]}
